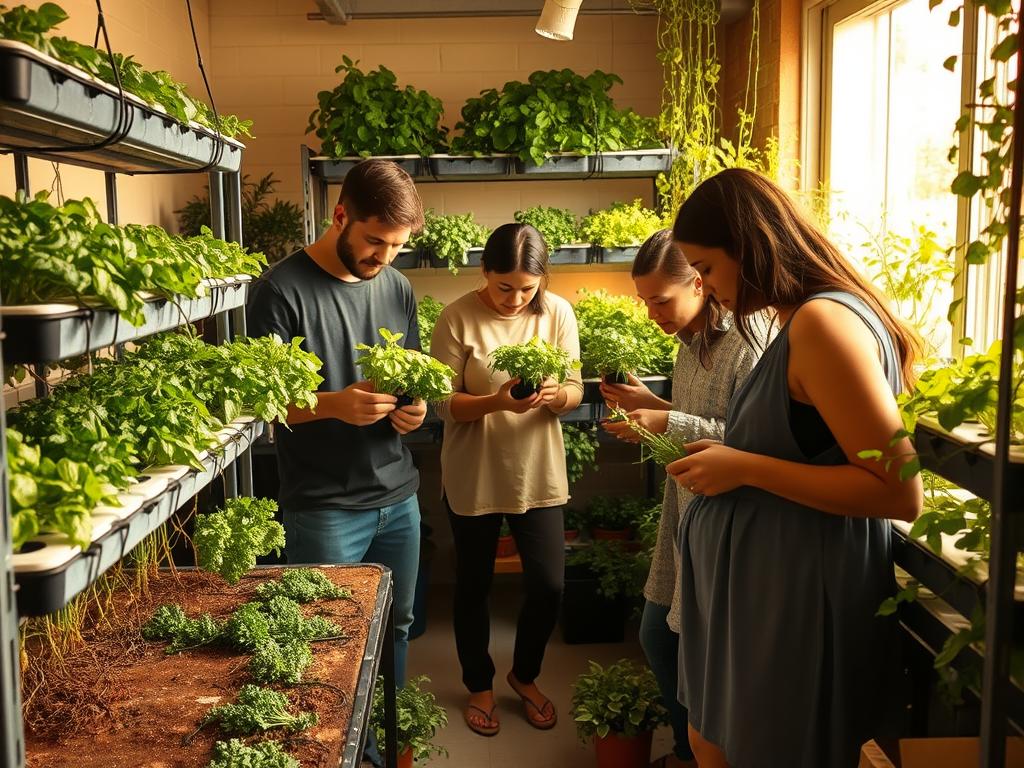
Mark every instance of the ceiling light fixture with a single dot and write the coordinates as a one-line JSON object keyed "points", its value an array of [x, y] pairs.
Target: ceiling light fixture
{"points": [[558, 19]]}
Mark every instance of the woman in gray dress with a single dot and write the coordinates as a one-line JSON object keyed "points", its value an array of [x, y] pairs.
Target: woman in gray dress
{"points": [[785, 553]]}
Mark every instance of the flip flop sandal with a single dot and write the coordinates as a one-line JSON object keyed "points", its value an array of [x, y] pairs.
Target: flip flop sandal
{"points": [[545, 722], [483, 730]]}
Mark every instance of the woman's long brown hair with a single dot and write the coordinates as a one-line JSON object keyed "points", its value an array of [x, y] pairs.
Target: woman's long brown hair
{"points": [[783, 258], [659, 253]]}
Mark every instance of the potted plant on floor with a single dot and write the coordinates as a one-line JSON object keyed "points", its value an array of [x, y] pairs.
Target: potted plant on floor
{"points": [[448, 240], [602, 581], [610, 518], [619, 707], [532, 363], [406, 373], [573, 521], [506, 542], [419, 716], [620, 229]]}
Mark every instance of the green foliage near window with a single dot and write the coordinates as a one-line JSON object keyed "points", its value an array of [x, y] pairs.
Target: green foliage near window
{"points": [[580, 450], [395, 370], [156, 88], [617, 336], [558, 226], [229, 540], [533, 362], [620, 225], [162, 405], [368, 114], [271, 228], [622, 698], [427, 311], [68, 253], [554, 111], [262, 754], [419, 716], [449, 237]]}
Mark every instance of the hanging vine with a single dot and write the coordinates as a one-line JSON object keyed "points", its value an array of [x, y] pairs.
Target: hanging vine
{"points": [[691, 119]]}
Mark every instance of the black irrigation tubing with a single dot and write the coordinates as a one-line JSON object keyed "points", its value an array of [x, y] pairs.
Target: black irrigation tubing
{"points": [[125, 115], [217, 152]]}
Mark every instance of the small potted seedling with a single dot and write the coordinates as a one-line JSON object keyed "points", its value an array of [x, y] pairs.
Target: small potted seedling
{"points": [[506, 542], [420, 717], [620, 708], [406, 373], [614, 354], [532, 363]]}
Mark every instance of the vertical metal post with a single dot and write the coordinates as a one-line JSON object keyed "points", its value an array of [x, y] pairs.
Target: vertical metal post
{"points": [[388, 673], [12, 751], [1006, 519], [218, 225], [21, 173], [233, 204], [110, 182], [217, 204], [308, 212]]}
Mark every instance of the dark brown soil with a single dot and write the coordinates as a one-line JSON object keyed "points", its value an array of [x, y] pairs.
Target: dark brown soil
{"points": [[119, 702]]}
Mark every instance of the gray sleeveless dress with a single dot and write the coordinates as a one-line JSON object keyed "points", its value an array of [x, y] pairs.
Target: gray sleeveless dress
{"points": [[782, 662]]}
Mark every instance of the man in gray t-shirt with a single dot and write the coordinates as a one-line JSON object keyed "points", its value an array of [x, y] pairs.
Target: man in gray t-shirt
{"points": [[348, 485]]}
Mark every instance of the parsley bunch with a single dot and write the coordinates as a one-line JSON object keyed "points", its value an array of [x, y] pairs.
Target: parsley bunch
{"points": [[258, 709], [303, 585], [228, 541], [395, 370]]}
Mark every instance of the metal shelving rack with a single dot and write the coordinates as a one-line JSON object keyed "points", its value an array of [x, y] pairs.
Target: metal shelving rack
{"points": [[995, 475], [59, 113]]}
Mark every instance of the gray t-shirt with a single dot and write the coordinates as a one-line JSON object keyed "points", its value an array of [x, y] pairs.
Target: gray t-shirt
{"points": [[328, 464]]}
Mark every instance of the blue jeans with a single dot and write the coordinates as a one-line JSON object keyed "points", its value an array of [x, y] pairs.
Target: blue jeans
{"points": [[388, 535], [661, 647]]}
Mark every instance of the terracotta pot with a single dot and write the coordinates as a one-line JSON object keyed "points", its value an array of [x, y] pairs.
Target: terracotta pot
{"points": [[617, 751], [572, 535], [405, 758], [506, 546], [604, 533]]}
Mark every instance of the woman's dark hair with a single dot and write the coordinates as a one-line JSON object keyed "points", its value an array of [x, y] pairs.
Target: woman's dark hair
{"points": [[660, 253], [518, 248], [783, 258]]}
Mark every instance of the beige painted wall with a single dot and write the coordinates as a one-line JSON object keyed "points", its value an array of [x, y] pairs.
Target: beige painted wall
{"points": [[157, 33]]}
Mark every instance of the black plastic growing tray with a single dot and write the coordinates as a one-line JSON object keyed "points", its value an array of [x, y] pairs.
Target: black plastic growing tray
{"points": [[965, 457], [618, 255], [468, 167], [333, 171], [52, 332], [45, 103], [44, 591], [640, 163], [578, 253], [555, 166]]}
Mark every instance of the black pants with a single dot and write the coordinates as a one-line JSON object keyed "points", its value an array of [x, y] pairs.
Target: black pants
{"points": [[541, 543]]}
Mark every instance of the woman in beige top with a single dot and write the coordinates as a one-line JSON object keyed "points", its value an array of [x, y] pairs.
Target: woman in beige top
{"points": [[503, 458]]}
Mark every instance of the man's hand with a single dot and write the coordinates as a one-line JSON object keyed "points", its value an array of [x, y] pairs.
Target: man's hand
{"points": [[408, 417], [359, 405]]}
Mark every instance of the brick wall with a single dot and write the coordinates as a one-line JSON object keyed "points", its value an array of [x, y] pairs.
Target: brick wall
{"points": [[157, 33]]}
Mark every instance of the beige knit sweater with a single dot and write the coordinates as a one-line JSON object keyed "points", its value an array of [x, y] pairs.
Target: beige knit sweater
{"points": [[504, 462], [700, 399]]}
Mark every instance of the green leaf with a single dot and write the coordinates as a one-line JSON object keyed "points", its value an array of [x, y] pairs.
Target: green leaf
{"points": [[950, 62], [1005, 48]]}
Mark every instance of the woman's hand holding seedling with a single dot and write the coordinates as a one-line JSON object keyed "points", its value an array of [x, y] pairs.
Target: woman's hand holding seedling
{"points": [[654, 421], [632, 396]]}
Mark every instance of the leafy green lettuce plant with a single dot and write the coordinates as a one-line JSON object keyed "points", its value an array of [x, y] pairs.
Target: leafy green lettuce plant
{"points": [[257, 709], [558, 226], [367, 114], [622, 698], [621, 225], [554, 111], [156, 88], [449, 237], [395, 370]]}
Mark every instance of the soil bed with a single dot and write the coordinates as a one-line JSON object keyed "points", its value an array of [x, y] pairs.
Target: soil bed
{"points": [[119, 702]]}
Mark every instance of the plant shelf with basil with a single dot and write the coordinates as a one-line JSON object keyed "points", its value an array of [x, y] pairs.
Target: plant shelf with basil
{"points": [[61, 93], [532, 363], [406, 373], [449, 239]]}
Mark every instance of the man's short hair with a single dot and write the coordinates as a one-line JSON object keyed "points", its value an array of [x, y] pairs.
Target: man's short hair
{"points": [[380, 188]]}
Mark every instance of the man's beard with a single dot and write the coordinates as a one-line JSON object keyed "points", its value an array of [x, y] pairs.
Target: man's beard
{"points": [[364, 270]]}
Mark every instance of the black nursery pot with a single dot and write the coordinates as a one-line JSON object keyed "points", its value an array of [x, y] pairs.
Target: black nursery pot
{"points": [[616, 378], [404, 400], [524, 389]]}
